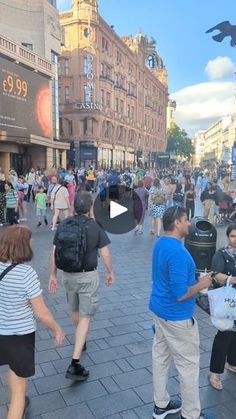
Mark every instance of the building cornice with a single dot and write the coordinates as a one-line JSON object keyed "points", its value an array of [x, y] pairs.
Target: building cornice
{"points": [[25, 56]]}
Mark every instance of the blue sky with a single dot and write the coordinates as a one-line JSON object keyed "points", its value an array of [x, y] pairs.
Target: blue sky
{"points": [[179, 27]]}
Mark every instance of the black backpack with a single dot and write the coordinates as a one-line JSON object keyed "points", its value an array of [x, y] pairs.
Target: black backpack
{"points": [[71, 244]]}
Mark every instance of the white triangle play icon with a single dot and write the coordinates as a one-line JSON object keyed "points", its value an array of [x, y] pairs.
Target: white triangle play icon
{"points": [[116, 209]]}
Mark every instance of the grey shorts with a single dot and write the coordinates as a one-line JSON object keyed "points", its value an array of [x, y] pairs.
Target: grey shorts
{"points": [[81, 291]]}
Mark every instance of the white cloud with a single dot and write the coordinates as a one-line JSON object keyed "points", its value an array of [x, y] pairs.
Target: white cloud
{"points": [[220, 68], [200, 105]]}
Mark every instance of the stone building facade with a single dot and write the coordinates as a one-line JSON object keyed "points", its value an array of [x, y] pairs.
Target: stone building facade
{"points": [[113, 92], [30, 43]]}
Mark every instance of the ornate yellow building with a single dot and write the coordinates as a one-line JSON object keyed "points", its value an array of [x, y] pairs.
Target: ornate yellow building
{"points": [[113, 92]]}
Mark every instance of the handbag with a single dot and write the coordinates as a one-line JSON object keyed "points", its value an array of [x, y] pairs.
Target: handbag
{"points": [[222, 302]]}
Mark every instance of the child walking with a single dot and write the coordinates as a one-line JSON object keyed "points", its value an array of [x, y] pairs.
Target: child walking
{"points": [[41, 206]]}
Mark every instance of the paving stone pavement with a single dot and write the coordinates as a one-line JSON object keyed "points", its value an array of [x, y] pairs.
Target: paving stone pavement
{"points": [[119, 345]]}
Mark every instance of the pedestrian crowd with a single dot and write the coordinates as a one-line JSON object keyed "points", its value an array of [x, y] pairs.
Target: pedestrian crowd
{"points": [[169, 195], [157, 190]]}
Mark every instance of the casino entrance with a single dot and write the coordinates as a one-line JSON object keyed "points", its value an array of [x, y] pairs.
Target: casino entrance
{"points": [[20, 162]]}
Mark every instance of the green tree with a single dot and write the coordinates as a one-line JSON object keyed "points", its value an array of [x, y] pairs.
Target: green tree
{"points": [[178, 142]]}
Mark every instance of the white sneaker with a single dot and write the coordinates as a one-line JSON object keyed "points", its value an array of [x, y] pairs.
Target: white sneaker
{"points": [[1, 225]]}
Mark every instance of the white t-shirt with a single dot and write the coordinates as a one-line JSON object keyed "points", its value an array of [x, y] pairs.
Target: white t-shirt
{"points": [[17, 287], [60, 197]]}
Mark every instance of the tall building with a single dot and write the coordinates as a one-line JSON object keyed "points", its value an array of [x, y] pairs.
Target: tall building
{"points": [[30, 43], [113, 92]]}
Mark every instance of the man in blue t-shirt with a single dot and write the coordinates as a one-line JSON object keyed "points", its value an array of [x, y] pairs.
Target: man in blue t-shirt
{"points": [[172, 301]]}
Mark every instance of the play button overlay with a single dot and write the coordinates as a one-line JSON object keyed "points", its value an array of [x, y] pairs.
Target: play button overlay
{"points": [[118, 209]]}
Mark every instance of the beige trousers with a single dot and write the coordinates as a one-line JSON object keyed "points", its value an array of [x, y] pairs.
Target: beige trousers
{"points": [[178, 341], [209, 210]]}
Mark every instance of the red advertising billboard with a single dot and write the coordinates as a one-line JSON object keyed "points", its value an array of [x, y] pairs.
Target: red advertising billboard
{"points": [[25, 102]]}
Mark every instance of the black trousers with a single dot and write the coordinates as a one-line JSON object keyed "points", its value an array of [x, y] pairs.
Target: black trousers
{"points": [[223, 349], [11, 216], [190, 207], [2, 207]]}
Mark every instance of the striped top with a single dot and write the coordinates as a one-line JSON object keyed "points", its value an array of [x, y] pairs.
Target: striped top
{"points": [[17, 287], [11, 199]]}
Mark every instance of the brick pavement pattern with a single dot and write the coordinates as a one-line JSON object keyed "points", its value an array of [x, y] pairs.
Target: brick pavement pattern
{"points": [[119, 345]]}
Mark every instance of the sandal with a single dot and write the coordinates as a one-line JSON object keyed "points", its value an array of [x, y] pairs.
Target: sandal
{"points": [[215, 381], [27, 402]]}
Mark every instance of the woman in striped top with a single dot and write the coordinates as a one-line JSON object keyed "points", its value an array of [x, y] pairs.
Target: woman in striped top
{"points": [[20, 302], [11, 203]]}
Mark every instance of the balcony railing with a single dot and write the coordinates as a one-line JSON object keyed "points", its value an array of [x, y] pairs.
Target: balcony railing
{"points": [[25, 56]]}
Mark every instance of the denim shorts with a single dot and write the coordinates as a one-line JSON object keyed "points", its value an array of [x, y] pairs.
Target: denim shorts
{"points": [[81, 291], [41, 212]]}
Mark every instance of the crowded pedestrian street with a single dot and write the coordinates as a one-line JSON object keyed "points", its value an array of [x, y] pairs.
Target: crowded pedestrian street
{"points": [[119, 345], [117, 210]]}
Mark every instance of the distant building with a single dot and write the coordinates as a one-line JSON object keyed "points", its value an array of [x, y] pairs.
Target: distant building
{"points": [[213, 146], [113, 92], [199, 145], [30, 42], [171, 108]]}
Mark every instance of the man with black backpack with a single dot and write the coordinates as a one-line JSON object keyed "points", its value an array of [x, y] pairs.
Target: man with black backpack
{"points": [[75, 251]]}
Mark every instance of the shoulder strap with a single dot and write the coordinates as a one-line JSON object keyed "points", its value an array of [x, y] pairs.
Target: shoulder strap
{"points": [[8, 269], [54, 199]]}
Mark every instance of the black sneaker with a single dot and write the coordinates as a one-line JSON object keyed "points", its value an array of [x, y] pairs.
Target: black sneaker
{"points": [[46, 221], [173, 407], [77, 372], [39, 224]]}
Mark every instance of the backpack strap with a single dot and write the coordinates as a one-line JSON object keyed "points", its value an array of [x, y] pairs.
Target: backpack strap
{"points": [[8, 269]]}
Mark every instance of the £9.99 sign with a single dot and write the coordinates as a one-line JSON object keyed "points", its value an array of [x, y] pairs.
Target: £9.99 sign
{"points": [[14, 85], [25, 101]]}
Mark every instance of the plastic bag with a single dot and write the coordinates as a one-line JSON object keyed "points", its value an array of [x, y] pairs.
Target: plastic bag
{"points": [[222, 303], [222, 324]]}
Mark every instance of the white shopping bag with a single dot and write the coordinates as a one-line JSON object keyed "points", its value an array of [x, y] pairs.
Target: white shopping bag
{"points": [[222, 302], [222, 324]]}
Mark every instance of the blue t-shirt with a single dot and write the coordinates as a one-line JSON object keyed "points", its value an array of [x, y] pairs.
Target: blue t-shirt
{"points": [[173, 272]]}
